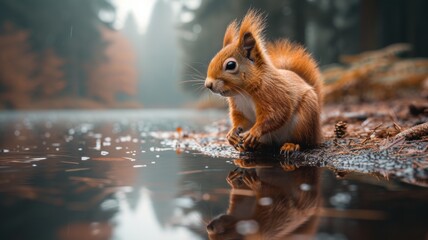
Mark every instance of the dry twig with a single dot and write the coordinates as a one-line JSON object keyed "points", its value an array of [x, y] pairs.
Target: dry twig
{"points": [[415, 132], [371, 133]]}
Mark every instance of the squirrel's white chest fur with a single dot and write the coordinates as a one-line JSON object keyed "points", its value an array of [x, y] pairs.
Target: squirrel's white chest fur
{"points": [[245, 104]]}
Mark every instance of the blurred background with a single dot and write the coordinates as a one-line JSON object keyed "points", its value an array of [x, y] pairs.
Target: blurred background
{"points": [[68, 54]]}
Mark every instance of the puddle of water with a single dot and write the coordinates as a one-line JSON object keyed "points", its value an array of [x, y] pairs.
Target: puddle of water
{"points": [[124, 175]]}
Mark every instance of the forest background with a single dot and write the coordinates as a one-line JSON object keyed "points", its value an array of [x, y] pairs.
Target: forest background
{"points": [[71, 54]]}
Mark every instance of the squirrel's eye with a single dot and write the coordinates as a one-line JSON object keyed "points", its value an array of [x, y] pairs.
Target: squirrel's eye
{"points": [[230, 65]]}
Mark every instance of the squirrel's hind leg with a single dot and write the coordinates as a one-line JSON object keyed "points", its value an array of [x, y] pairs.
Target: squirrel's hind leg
{"points": [[288, 148]]}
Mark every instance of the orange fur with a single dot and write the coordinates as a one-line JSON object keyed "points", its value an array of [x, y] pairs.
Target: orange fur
{"points": [[291, 212], [274, 93], [230, 34], [289, 56]]}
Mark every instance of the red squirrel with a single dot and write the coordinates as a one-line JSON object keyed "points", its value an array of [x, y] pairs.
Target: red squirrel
{"points": [[281, 205], [274, 89]]}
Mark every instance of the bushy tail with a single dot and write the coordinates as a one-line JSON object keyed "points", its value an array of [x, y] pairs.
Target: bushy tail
{"points": [[293, 57]]}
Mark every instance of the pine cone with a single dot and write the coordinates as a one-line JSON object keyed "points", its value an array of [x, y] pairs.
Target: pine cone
{"points": [[340, 129]]}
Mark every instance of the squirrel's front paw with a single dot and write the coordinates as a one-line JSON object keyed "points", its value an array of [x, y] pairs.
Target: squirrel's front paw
{"points": [[233, 137], [250, 140], [251, 179], [234, 178]]}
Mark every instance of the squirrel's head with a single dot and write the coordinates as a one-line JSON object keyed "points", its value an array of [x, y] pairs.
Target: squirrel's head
{"points": [[238, 66]]}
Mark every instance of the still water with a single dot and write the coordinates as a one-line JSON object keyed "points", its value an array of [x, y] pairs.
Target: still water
{"points": [[108, 175]]}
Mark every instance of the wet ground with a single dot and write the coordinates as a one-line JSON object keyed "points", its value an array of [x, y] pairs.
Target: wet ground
{"points": [[164, 175]]}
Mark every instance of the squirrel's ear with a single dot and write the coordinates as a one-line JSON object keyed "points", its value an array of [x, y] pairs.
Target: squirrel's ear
{"points": [[251, 39], [231, 33], [248, 44]]}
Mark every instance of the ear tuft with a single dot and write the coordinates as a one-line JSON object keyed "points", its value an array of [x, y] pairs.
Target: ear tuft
{"points": [[254, 23], [231, 33]]}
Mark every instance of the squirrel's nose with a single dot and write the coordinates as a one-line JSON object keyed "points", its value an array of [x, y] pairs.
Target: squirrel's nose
{"points": [[210, 228], [209, 85]]}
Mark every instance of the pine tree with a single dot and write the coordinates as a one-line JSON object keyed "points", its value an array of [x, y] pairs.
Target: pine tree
{"points": [[116, 74], [17, 65], [159, 86], [49, 77], [69, 27]]}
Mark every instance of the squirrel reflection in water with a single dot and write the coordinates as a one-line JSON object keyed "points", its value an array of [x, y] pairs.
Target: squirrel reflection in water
{"points": [[270, 203]]}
